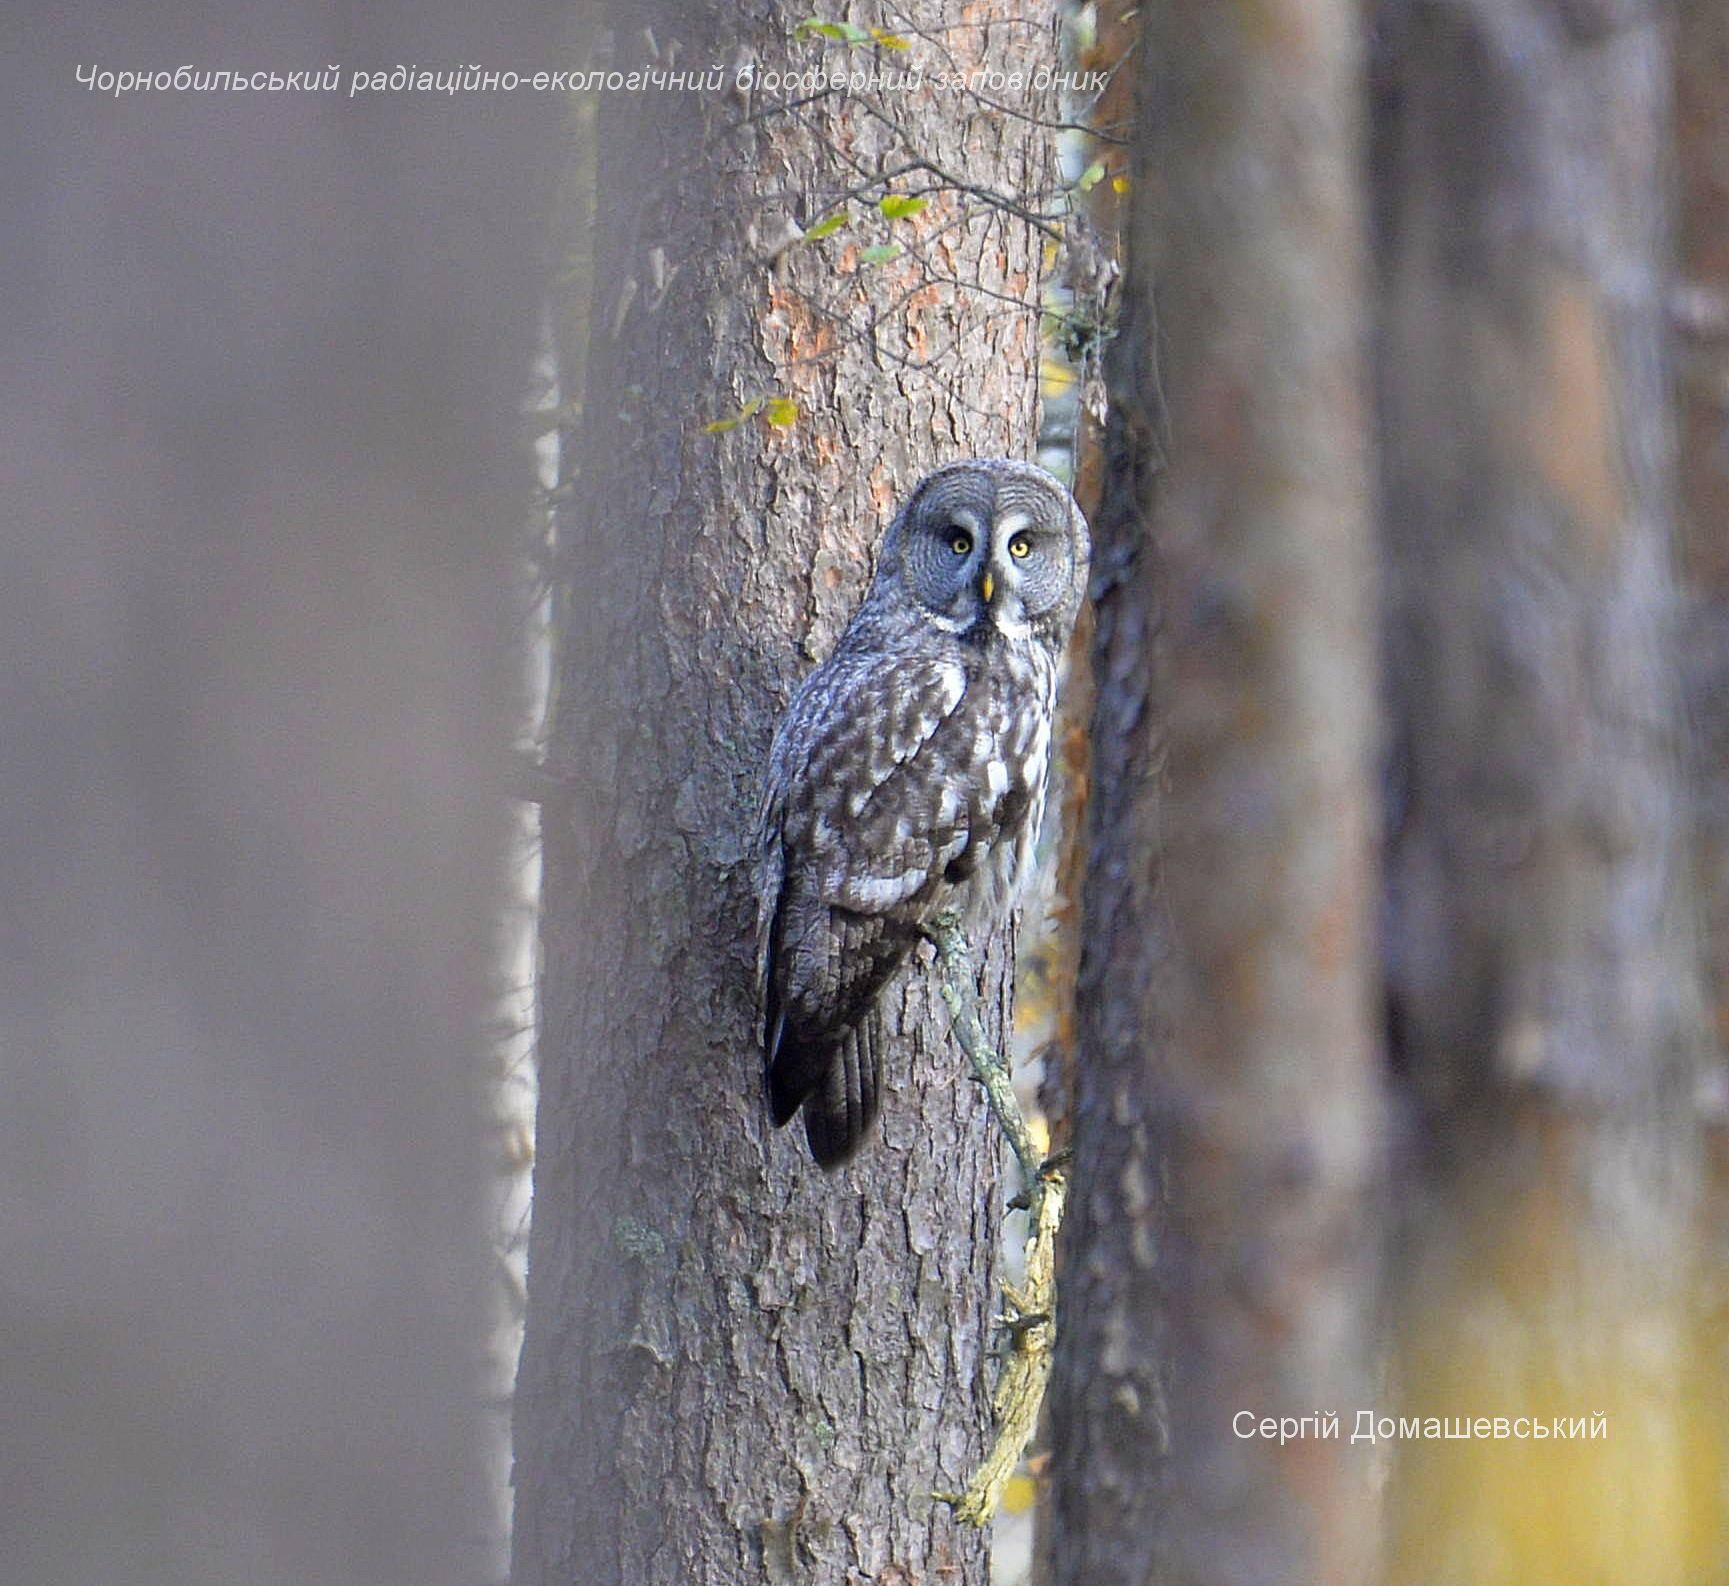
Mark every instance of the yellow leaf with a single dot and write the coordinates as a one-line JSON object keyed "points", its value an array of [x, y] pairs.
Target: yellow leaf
{"points": [[1020, 1494], [897, 206]]}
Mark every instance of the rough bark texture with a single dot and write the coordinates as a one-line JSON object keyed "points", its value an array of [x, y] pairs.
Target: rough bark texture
{"points": [[1542, 981], [1221, 1253], [1091, 265], [263, 353], [737, 1367], [1105, 485]]}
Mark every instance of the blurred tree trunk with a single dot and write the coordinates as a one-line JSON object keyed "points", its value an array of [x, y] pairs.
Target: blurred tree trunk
{"points": [[257, 394], [1702, 323], [1543, 986], [736, 1367], [1222, 1250]]}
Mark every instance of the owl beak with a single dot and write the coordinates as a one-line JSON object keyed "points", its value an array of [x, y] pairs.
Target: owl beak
{"points": [[987, 584]]}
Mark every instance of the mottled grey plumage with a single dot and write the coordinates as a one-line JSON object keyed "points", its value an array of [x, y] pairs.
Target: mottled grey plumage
{"points": [[908, 775]]}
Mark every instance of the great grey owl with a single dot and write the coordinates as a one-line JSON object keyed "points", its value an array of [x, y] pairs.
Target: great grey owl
{"points": [[908, 775]]}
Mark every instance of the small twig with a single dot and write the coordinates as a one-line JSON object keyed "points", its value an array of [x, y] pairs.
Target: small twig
{"points": [[961, 997], [1045, 224], [1031, 1317], [1020, 1390]]}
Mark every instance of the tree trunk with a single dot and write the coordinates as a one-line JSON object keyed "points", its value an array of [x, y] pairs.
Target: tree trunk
{"points": [[258, 396], [1222, 1252], [1702, 325], [1542, 975], [1701, 312], [737, 1367]]}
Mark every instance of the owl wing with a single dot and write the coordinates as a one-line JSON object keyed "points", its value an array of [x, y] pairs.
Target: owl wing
{"points": [[860, 820]]}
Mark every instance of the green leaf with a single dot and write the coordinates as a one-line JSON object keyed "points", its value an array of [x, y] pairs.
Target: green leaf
{"points": [[881, 253], [1091, 177], [828, 226], [782, 412], [840, 32], [897, 206]]}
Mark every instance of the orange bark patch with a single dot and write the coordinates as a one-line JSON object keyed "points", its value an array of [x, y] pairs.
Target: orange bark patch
{"points": [[882, 491], [805, 337], [1277, 28], [1571, 431], [968, 42], [1335, 934]]}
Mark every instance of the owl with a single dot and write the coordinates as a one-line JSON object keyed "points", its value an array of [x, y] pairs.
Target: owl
{"points": [[907, 777]]}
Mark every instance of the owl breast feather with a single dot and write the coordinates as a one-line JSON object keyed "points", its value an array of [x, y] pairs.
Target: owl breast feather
{"points": [[897, 789], [933, 799]]}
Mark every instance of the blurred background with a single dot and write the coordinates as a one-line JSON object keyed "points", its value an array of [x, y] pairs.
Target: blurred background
{"points": [[264, 354]]}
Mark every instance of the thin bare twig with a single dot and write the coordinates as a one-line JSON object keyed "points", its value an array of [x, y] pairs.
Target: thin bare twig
{"points": [[1030, 1316]]}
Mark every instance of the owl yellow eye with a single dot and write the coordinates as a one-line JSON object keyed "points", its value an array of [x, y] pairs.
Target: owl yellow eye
{"points": [[961, 543], [1020, 547]]}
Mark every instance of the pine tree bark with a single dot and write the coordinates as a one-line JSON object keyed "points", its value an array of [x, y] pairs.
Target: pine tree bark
{"points": [[735, 1366], [1221, 1253]]}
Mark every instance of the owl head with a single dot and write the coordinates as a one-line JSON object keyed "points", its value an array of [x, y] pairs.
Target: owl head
{"points": [[989, 543]]}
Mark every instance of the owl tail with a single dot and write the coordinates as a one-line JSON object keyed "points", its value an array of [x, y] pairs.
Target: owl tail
{"points": [[838, 1090]]}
